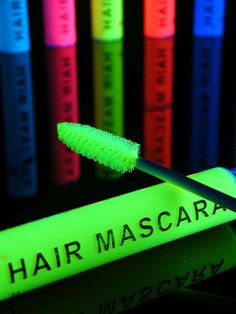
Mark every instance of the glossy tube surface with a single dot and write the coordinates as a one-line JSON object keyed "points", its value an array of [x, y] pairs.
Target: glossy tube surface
{"points": [[159, 18], [107, 19], [49, 249], [59, 18], [209, 17], [139, 278], [14, 26]]}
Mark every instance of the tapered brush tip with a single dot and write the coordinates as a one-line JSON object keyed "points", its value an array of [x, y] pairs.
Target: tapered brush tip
{"points": [[101, 146]]}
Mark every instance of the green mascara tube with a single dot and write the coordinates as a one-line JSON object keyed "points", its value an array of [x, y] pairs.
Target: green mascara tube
{"points": [[163, 270], [44, 251], [107, 19]]}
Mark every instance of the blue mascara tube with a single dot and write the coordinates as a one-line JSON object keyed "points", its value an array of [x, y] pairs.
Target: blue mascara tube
{"points": [[14, 26], [209, 17], [19, 125]]}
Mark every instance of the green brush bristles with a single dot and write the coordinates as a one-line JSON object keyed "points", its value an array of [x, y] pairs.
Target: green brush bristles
{"points": [[108, 149]]}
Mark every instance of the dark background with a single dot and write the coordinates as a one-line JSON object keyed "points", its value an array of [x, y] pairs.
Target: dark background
{"points": [[52, 198]]}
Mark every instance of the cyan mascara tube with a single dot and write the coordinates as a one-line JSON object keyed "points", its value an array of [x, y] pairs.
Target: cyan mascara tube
{"points": [[14, 26], [43, 251]]}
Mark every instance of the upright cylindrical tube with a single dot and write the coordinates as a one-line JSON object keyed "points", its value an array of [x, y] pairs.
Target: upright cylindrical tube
{"points": [[159, 18], [59, 18], [209, 17], [14, 26], [107, 19]]}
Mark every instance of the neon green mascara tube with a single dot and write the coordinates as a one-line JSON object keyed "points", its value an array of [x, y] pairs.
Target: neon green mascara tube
{"points": [[43, 251], [139, 278], [165, 269], [107, 19]]}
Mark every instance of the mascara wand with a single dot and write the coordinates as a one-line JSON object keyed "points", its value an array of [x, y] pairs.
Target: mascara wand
{"points": [[122, 155]]}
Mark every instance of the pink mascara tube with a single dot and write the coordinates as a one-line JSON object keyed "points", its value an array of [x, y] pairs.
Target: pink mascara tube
{"points": [[59, 18]]}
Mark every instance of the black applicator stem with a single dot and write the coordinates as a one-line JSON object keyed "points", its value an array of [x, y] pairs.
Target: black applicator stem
{"points": [[171, 176]]}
